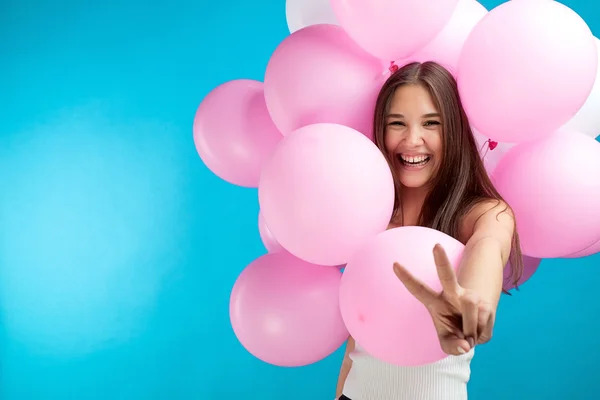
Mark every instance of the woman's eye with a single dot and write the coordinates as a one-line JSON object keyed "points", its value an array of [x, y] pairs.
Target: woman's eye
{"points": [[396, 123], [431, 123]]}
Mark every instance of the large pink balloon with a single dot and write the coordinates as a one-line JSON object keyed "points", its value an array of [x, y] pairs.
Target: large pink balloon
{"points": [[325, 191], [393, 29], [588, 251], [380, 313], [445, 49], [318, 74], [530, 265], [553, 186], [286, 311], [512, 68], [233, 132], [266, 236]]}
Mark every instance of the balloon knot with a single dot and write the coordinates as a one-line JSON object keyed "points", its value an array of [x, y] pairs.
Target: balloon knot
{"points": [[492, 144], [393, 67]]}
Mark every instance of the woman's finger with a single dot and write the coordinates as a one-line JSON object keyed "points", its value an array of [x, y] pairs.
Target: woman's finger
{"points": [[445, 271], [469, 309], [453, 345], [485, 324], [420, 290]]}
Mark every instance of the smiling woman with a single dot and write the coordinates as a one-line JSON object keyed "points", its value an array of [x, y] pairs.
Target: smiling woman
{"points": [[440, 182], [423, 131]]}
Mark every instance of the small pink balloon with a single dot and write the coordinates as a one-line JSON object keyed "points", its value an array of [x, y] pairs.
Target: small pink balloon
{"points": [[379, 312], [266, 236], [530, 265], [393, 29], [553, 186], [588, 251], [508, 69], [318, 74], [286, 312], [446, 47], [233, 132], [326, 189]]}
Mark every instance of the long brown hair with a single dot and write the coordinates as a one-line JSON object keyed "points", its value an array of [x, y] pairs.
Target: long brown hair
{"points": [[461, 181]]}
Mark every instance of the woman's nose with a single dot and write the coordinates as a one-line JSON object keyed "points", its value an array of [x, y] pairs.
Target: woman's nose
{"points": [[414, 136]]}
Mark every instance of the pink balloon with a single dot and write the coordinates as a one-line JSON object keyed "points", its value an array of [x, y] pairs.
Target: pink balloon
{"points": [[530, 265], [445, 49], [318, 74], [266, 236], [588, 251], [553, 186], [325, 191], [286, 312], [509, 68], [379, 312], [233, 132], [393, 29]]}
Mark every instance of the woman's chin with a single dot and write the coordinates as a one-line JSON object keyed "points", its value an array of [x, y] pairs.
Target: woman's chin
{"points": [[414, 181]]}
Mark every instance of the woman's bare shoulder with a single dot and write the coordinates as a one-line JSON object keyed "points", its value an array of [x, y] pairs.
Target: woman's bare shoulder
{"points": [[478, 210]]}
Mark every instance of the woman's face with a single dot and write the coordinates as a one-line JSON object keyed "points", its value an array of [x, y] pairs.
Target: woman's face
{"points": [[413, 135]]}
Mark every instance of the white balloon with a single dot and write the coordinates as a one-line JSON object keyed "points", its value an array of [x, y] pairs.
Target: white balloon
{"points": [[303, 13], [587, 119]]}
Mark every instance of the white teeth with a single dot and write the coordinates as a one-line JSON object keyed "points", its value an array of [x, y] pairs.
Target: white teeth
{"points": [[413, 160]]}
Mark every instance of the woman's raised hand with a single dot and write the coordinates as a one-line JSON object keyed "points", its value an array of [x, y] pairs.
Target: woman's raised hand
{"points": [[461, 318]]}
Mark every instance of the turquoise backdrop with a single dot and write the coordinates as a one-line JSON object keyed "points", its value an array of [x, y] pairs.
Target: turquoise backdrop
{"points": [[118, 248]]}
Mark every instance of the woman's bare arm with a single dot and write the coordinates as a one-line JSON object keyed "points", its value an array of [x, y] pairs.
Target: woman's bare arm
{"points": [[345, 368], [486, 253]]}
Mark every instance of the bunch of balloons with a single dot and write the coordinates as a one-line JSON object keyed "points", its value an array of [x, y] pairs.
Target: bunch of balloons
{"points": [[528, 77]]}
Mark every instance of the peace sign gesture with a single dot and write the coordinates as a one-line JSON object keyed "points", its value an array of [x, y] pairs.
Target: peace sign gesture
{"points": [[461, 318]]}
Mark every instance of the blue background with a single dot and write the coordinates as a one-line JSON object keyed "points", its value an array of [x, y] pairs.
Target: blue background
{"points": [[118, 248]]}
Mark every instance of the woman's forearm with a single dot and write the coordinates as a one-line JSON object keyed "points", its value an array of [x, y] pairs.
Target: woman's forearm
{"points": [[482, 269]]}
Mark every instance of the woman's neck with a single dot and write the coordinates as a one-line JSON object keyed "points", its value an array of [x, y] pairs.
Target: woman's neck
{"points": [[412, 201]]}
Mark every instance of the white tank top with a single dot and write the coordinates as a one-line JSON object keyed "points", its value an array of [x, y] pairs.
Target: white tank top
{"points": [[372, 379]]}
